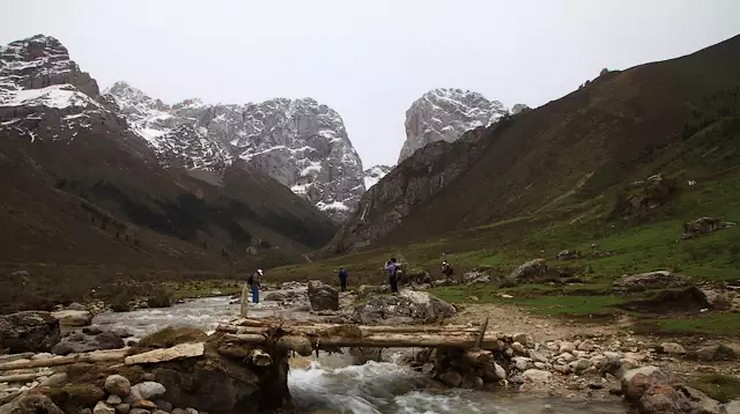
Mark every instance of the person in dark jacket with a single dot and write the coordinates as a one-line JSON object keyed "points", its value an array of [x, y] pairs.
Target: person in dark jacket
{"points": [[254, 282], [343, 275], [392, 268]]}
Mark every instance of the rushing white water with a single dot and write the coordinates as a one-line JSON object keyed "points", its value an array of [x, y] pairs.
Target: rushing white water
{"points": [[333, 385]]}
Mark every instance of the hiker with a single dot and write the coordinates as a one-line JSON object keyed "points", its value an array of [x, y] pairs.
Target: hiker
{"points": [[392, 268], [447, 270], [342, 274], [254, 284]]}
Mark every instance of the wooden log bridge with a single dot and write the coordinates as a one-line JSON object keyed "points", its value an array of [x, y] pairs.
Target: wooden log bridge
{"points": [[306, 338]]}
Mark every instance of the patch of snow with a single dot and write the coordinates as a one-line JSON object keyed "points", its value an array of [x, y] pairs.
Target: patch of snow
{"points": [[53, 96], [336, 205]]}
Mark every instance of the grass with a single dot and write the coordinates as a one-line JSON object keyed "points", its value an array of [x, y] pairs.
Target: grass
{"points": [[715, 324], [722, 388]]}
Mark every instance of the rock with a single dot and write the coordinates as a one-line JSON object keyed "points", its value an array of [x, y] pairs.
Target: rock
{"points": [[499, 371], [171, 336], [73, 317], [451, 378], [529, 271], [80, 342], [719, 300], [139, 411], [704, 225], [147, 390], [636, 381], [193, 411], [660, 398], [519, 349], [444, 115], [671, 348], [417, 276], [412, 306], [643, 197], [580, 365], [92, 330], [29, 331], [103, 408], [536, 375], [55, 380], [223, 384], [113, 400], [652, 280], [163, 405], [586, 346], [537, 356], [521, 363], [566, 346], [699, 402], [732, 407], [82, 395], [568, 255], [520, 337], [160, 412], [30, 403], [123, 408], [74, 306], [366, 290], [322, 296], [179, 411], [145, 404], [719, 352], [563, 369], [275, 296], [472, 278]]}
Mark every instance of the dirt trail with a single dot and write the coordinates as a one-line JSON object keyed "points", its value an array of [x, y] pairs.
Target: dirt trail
{"points": [[512, 319]]}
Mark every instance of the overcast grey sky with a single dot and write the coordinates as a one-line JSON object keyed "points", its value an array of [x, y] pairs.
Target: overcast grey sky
{"points": [[368, 59]]}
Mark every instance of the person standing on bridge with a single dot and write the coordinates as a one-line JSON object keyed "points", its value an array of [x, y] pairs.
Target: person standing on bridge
{"points": [[343, 275], [254, 282], [392, 268]]}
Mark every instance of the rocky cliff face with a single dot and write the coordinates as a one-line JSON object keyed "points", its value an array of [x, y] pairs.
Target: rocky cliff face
{"points": [[301, 143], [407, 186], [444, 115]]}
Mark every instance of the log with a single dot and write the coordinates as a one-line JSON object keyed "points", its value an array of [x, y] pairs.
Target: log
{"points": [[482, 333], [15, 357], [244, 303], [95, 356], [395, 340], [328, 330], [30, 376], [260, 358], [179, 351]]}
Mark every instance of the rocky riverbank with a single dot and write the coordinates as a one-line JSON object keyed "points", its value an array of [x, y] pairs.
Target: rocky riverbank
{"points": [[545, 357]]}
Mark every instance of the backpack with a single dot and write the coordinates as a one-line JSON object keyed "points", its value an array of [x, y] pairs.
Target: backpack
{"points": [[250, 280]]}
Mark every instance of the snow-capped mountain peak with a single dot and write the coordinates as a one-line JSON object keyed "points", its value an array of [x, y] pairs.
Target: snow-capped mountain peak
{"points": [[301, 143], [444, 114], [372, 175]]}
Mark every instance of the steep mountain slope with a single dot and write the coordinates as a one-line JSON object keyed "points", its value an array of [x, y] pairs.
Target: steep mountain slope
{"points": [[79, 188], [444, 115], [574, 153], [301, 143]]}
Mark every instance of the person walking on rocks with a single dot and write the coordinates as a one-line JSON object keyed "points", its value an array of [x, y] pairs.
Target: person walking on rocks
{"points": [[254, 282], [343, 275], [392, 268]]}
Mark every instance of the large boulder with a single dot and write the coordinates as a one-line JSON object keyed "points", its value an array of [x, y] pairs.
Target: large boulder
{"points": [[70, 317], [636, 382], [704, 225], [368, 290], [322, 296], [530, 271], [719, 299], [568, 255], [224, 384], [407, 307], [29, 331], [475, 277], [31, 403], [662, 279]]}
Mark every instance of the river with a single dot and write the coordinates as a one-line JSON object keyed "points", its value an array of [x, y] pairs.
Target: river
{"points": [[333, 385]]}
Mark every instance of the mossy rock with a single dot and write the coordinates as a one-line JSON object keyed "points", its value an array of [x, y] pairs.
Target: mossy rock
{"points": [[169, 337], [71, 397]]}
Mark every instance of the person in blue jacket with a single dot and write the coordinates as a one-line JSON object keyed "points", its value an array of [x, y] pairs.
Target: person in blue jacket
{"points": [[343, 275]]}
